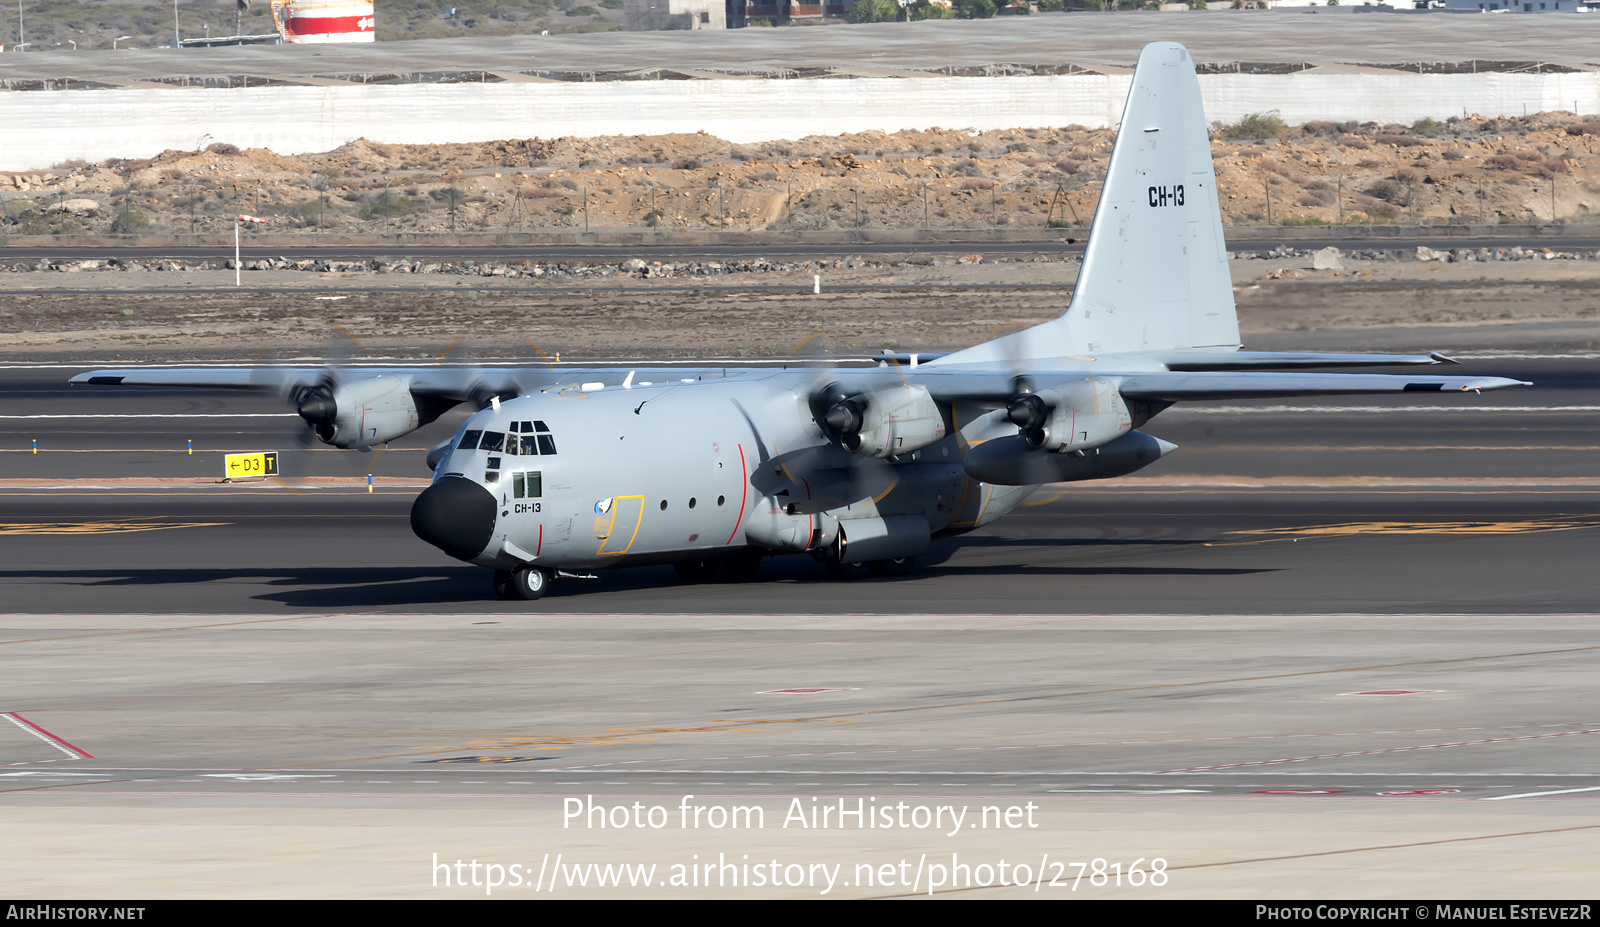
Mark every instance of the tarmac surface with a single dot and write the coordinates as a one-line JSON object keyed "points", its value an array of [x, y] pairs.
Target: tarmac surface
{"points": [[1326, 649]]}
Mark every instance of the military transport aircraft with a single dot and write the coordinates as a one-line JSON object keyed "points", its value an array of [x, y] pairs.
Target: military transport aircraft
{"points": [[565, 471]]}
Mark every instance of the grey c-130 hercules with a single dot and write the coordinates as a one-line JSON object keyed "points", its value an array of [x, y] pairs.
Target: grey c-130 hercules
{"points": [[565, 471]]}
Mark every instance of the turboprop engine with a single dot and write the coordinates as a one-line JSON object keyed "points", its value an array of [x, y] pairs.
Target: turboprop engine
{"points": [[884, 423], [1070, 417], [1009, 461], [358, 413]]}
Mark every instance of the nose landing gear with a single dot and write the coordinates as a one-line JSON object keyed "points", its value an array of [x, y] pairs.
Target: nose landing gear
{"points": [[523, 583]]}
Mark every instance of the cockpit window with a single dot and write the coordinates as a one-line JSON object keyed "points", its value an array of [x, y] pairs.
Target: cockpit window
{"points": [[529, 446], [469, 440], [547, 444], [531, 483], [492, 440]]}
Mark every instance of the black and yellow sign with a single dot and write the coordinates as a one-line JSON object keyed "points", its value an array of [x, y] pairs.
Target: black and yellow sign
{"points": [[244, 466]]}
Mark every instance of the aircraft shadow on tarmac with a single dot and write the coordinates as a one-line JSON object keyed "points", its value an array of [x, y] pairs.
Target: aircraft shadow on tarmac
{"points": [[352, 587]]}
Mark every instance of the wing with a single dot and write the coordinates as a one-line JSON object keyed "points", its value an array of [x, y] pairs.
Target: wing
{"points": [[1180, 386], [1285, 360], [456, 383]]}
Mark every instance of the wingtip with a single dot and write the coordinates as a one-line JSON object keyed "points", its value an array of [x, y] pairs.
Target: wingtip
{"points": [[1441, 359]]}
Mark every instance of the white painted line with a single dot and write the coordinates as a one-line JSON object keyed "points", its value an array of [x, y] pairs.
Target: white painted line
{"points": [[31, 729], [1252, 410], [1134, 791], [1592, 788], [1513, 355], [696, 363], [264, 777]]}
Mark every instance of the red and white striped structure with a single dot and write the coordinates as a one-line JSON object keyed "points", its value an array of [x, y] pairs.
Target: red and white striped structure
{"points": [[314, 21], [237, 264]]}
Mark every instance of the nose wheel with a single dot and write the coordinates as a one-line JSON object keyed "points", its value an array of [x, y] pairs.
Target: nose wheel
{"points": [[521, 584]]}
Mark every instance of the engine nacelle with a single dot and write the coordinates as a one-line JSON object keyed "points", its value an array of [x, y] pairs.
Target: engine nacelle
{"points": [[1071, 417], [776, 526], [886, 423], [862, 540], [360, 413], [1010, 461]]}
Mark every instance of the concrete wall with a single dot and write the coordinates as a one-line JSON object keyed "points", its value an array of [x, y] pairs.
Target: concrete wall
{"points": [[1514, 6], [47, 127]]}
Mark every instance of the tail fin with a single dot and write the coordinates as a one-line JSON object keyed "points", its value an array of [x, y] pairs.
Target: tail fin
{"points": [[1155, 273]]}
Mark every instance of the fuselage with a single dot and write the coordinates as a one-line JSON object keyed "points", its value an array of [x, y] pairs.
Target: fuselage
{"points": [[656, 472]]}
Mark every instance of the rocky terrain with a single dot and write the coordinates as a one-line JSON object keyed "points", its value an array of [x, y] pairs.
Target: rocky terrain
{"points": [[1464, 171]]}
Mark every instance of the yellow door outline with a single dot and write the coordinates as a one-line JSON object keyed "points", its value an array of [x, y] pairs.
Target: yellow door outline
{"points": [[637, 503]]}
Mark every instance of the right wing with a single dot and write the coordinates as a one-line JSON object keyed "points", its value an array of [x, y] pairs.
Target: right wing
{"points": [[1184, 386]]}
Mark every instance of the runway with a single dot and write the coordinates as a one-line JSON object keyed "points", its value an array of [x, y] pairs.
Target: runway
{"points": [[1326, 649]]}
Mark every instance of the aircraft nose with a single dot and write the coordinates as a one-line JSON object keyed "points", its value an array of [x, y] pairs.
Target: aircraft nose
{"points": [[455, 515]]}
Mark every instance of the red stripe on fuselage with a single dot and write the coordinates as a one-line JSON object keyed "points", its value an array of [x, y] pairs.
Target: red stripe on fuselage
{"points": [[744, 494]]}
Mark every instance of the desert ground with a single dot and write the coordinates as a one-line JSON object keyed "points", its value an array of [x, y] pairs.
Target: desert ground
{"points": [[916, 302]]}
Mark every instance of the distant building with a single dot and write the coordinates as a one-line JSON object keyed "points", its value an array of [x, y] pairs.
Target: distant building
{"points": [[660, 15], [741, 12]]}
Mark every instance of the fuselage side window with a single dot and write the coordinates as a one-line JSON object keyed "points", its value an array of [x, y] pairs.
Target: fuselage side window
{"points": [[469, 440]]}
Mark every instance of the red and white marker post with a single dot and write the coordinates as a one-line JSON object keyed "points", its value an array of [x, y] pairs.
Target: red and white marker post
{"points": [[237, 280]]}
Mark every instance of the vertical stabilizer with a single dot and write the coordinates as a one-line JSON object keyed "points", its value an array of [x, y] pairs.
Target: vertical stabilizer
{"points": [[1155, 272]]}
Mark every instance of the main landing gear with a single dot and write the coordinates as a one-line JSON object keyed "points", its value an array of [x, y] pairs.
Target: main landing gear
{"points": [[523, 583]]}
